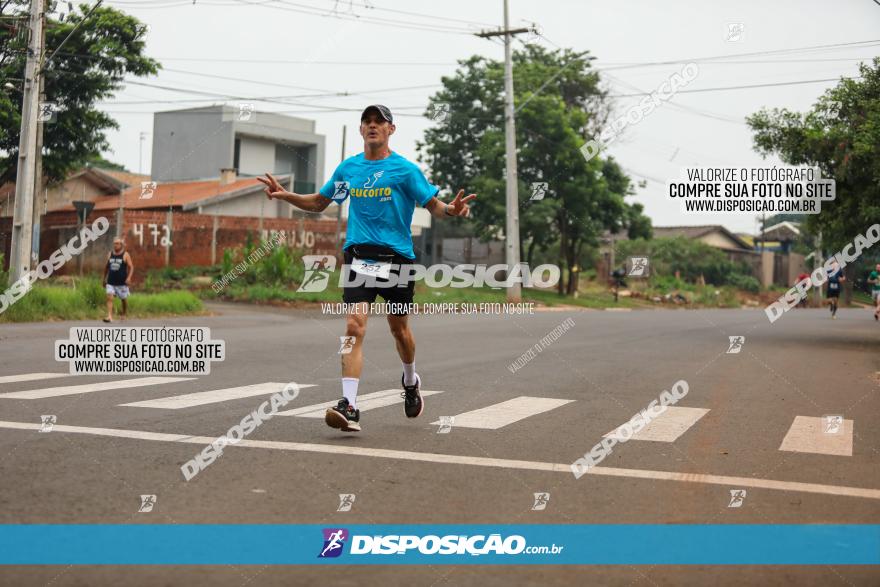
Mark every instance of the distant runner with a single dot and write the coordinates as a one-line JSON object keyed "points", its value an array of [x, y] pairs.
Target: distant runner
{"points": [[117, 277], [803, 301], [874, 280], [835, 278], [384, 189]]}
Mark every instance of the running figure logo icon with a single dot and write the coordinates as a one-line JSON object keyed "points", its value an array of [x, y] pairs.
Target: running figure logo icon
{"points": [[334, 541], [318, 271], [148, 189], [736, 344], [47, 112], [438, 111], [735, 32], [737, 497], [539, 190], [346, 344], [346, 500], [832, 424], [637, 267], [47, 422], [446, 423], [340, 190], [147, 503], [245, 111], [541, 500]]}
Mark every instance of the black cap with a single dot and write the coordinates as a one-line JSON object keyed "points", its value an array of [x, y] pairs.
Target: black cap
{"points": [[383, 111]]}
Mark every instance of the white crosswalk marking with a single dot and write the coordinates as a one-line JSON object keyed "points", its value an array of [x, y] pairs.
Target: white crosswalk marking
{"points": [[91, 387], [189, 400], [813, 435], [667, 427], [505, 413], [31, 377], [367, 401]]}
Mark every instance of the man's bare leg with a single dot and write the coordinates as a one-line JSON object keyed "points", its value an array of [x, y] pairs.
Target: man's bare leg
{"points": [[403, 337], [345, 415], [406, 348], [356, 326], [109, 316]]}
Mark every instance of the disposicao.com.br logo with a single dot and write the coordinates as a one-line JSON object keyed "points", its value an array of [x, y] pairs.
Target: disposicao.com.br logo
{"points": [[334, 540]]}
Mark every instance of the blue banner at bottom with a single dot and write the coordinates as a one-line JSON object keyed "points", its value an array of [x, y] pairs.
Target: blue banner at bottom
{"points": [[454, 544]]}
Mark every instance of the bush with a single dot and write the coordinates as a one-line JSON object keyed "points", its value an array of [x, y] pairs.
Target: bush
{"points": [[690, 258], [744, 282]]}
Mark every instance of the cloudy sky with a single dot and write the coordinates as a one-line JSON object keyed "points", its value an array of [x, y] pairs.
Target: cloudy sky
{"points": [[326, 59]]}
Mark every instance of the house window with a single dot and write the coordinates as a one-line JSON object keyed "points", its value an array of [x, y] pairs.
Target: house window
{"points": [[236, 154]]}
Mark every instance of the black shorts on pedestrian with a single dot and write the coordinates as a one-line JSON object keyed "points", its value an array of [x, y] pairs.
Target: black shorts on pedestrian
{"points": [[833, 293], [399, 296]]}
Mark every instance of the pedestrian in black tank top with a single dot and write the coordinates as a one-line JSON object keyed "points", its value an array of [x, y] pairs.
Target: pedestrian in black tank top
{"points": [[117, 277]]}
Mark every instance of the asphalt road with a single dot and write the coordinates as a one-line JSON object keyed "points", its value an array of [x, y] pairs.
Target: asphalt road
{"points": [[604, 369]]}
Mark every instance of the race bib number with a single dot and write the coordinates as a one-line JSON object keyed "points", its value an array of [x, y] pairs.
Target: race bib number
{"points": [[832, 286], [372, 268]]}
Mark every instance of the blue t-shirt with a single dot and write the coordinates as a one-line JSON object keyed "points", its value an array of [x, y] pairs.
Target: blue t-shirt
{"points": [[384, 194]]}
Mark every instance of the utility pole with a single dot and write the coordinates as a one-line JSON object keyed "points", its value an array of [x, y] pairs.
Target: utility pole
{"points": [[22, 224], [511, 231], [339, 207], [39, 191]]}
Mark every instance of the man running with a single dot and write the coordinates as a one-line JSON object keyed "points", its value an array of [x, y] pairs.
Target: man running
{"points": [[874, 280], [117, 277], [384, 189], [835, 278]]}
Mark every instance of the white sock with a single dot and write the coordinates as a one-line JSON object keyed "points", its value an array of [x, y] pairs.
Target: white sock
{"points": [[350, 390], [409, 373]]}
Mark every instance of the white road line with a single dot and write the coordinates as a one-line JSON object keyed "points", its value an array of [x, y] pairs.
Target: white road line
{"points": [[201, 398], [353, 451], [667, 427], [502, 414], [32, 377], [367, 401], [808, 435], [91, 387]]}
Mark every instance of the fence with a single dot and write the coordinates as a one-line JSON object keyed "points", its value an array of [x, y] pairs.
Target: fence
{"points": [[158, 239]]}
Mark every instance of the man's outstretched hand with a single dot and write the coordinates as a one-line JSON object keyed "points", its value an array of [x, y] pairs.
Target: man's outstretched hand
{"points": [[459, 205], [273, 188]]}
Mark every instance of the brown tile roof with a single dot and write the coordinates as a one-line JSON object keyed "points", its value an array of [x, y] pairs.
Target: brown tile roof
{"points": [[125, 177], [176, 193]]}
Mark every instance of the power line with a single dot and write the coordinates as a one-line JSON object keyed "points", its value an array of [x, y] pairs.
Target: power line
{"points": [[311, 10], [828, 47], [422, 15], [743, 87]]}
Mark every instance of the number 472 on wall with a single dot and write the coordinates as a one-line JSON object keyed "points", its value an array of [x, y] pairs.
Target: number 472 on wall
{"points": [[165, 240]]}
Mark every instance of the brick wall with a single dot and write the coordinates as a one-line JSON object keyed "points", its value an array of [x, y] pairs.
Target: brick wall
{"points": [[158, 239]]}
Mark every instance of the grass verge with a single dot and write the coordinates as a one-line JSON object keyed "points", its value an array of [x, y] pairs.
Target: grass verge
{"points": [[85, 299]]}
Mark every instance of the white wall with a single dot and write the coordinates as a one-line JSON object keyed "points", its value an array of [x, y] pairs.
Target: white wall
{"points": [[256, 157]]}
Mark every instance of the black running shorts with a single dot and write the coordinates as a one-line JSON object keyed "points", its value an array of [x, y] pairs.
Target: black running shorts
{"points": [[399, 296]]}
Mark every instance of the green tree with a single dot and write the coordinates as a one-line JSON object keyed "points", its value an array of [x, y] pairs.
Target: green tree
{"points": [[560, 103], [841, 136], [89, 67]]}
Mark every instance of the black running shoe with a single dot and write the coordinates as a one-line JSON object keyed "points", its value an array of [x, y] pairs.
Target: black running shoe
{"points": [[344, 417], [412, 399]]}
